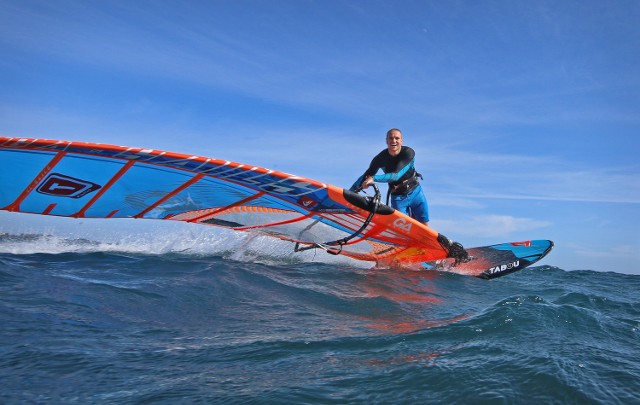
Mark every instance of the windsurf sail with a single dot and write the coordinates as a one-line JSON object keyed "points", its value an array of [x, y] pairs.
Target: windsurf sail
{"points": [[89, 180]]}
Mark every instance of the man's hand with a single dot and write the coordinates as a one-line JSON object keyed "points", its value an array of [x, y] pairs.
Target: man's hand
{"points": [[367, 182]]}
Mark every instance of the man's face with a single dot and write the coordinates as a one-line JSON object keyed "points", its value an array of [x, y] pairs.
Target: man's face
{"points": [[394, 142]]}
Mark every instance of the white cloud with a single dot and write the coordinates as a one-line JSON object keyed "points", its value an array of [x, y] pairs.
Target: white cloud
{"points": [[488, 226]]}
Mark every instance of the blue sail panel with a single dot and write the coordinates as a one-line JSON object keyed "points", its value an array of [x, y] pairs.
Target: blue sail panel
{"points": [[18, 168]]}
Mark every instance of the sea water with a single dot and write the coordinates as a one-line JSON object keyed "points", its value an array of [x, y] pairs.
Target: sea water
{"points": [[139, 322]]}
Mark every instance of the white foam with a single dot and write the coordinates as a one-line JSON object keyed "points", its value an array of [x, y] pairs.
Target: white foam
{"points": [[32, 234]]}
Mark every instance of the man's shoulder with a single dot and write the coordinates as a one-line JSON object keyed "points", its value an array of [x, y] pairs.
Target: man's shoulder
{"points": [[383, 153], [408, 150]]}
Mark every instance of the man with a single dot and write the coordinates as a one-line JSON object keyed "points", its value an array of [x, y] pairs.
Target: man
{"points": [[405, 191], [397, 163]]}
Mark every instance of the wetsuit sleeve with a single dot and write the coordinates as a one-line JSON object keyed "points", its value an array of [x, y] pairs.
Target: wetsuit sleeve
{"points": [[356, 185], [376, 164]]}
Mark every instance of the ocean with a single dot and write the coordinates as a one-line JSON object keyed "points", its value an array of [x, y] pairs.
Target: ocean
{"points": [[118, 323]]}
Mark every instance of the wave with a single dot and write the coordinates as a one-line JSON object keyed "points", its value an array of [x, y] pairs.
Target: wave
{"points": [[215, 323], [243, 247]]}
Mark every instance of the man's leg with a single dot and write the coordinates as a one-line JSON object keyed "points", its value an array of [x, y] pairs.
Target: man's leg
{"points": [[400, 203], [419, 208]]}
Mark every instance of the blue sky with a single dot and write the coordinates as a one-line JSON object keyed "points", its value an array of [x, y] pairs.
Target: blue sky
{"points": [[524, 114]]}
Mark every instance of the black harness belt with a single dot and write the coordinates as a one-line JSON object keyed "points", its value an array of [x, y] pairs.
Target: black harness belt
{"points": [[405, 187]]}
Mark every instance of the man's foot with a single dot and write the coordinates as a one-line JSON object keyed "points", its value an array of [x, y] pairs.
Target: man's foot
{"points": [[455, 249], [458, 252]]}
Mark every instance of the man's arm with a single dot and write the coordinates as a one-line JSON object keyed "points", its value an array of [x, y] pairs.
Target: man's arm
{"points": [[376, 164], [358, 183]]}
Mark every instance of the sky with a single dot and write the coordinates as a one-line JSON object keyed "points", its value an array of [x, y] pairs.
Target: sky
{"points": [[524, 115]]}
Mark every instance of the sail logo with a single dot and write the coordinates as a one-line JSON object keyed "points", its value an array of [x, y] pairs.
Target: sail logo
{"points": [[59, 185], [307, 202], [291, 186], [402, 224], [504, 267]]}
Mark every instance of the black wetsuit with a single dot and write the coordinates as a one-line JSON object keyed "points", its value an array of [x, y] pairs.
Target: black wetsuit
{"points": [[398, 169]]}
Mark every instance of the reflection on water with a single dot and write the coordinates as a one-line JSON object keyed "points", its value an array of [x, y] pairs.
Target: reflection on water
{"points": [[414, 298]]}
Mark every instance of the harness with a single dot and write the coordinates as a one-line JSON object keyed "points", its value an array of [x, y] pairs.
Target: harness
{"points": [[404, 187]]}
